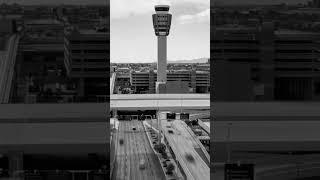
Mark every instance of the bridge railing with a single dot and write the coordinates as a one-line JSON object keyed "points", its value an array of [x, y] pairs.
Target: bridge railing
{"points": [[150, 142]]}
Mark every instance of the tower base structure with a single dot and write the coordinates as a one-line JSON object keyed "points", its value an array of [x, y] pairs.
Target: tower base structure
{"points": [[161, 88]]}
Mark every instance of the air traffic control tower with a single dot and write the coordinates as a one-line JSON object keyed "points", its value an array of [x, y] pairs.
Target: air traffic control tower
{"points": [[161, 24]]}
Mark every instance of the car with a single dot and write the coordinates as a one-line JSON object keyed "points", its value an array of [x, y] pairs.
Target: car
{"points": [[134, 128], [142, 164]]}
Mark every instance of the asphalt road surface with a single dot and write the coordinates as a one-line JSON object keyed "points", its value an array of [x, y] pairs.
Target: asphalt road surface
{"points": [[184, 146], [135, 148]]}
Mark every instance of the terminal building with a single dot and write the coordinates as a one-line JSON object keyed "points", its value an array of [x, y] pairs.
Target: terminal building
{"points": [[177, 81], [54, 65], [86, 60], [52, 139], [39, 62], [263, 64], [258, 133], [316, 3]]}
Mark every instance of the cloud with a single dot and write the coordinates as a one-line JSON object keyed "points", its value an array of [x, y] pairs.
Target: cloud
{"points": [[203, 16], [126, 8]]}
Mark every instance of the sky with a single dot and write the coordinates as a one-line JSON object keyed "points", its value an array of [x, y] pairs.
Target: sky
{"points": [[132, 38]]}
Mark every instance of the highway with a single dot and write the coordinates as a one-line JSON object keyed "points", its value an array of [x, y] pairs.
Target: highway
{"points": [[134, 149], [184, 146]]}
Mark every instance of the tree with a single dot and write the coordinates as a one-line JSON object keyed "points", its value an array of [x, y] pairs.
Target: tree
{"points": [[170, 168], [160, 148]]}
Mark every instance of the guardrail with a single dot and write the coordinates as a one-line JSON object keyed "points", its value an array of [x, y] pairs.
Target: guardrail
{"points": [[150, 142]]}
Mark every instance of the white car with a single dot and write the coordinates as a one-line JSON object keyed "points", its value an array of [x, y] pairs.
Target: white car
{"points": [[142, 164]]}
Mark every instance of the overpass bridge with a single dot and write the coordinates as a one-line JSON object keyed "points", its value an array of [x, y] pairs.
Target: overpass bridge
{"points": [[7, 65], [161, 102]]}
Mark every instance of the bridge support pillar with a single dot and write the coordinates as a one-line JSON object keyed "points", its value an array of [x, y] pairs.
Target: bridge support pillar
{"points": [[115, 113], [16, 165]]}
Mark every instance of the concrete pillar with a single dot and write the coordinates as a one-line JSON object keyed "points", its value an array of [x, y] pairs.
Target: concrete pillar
{"points": [[16, 165], [162, 59], [267, 55], [115, 113], [161, 88], [151, 82], [193, 81], [81, 87]]}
